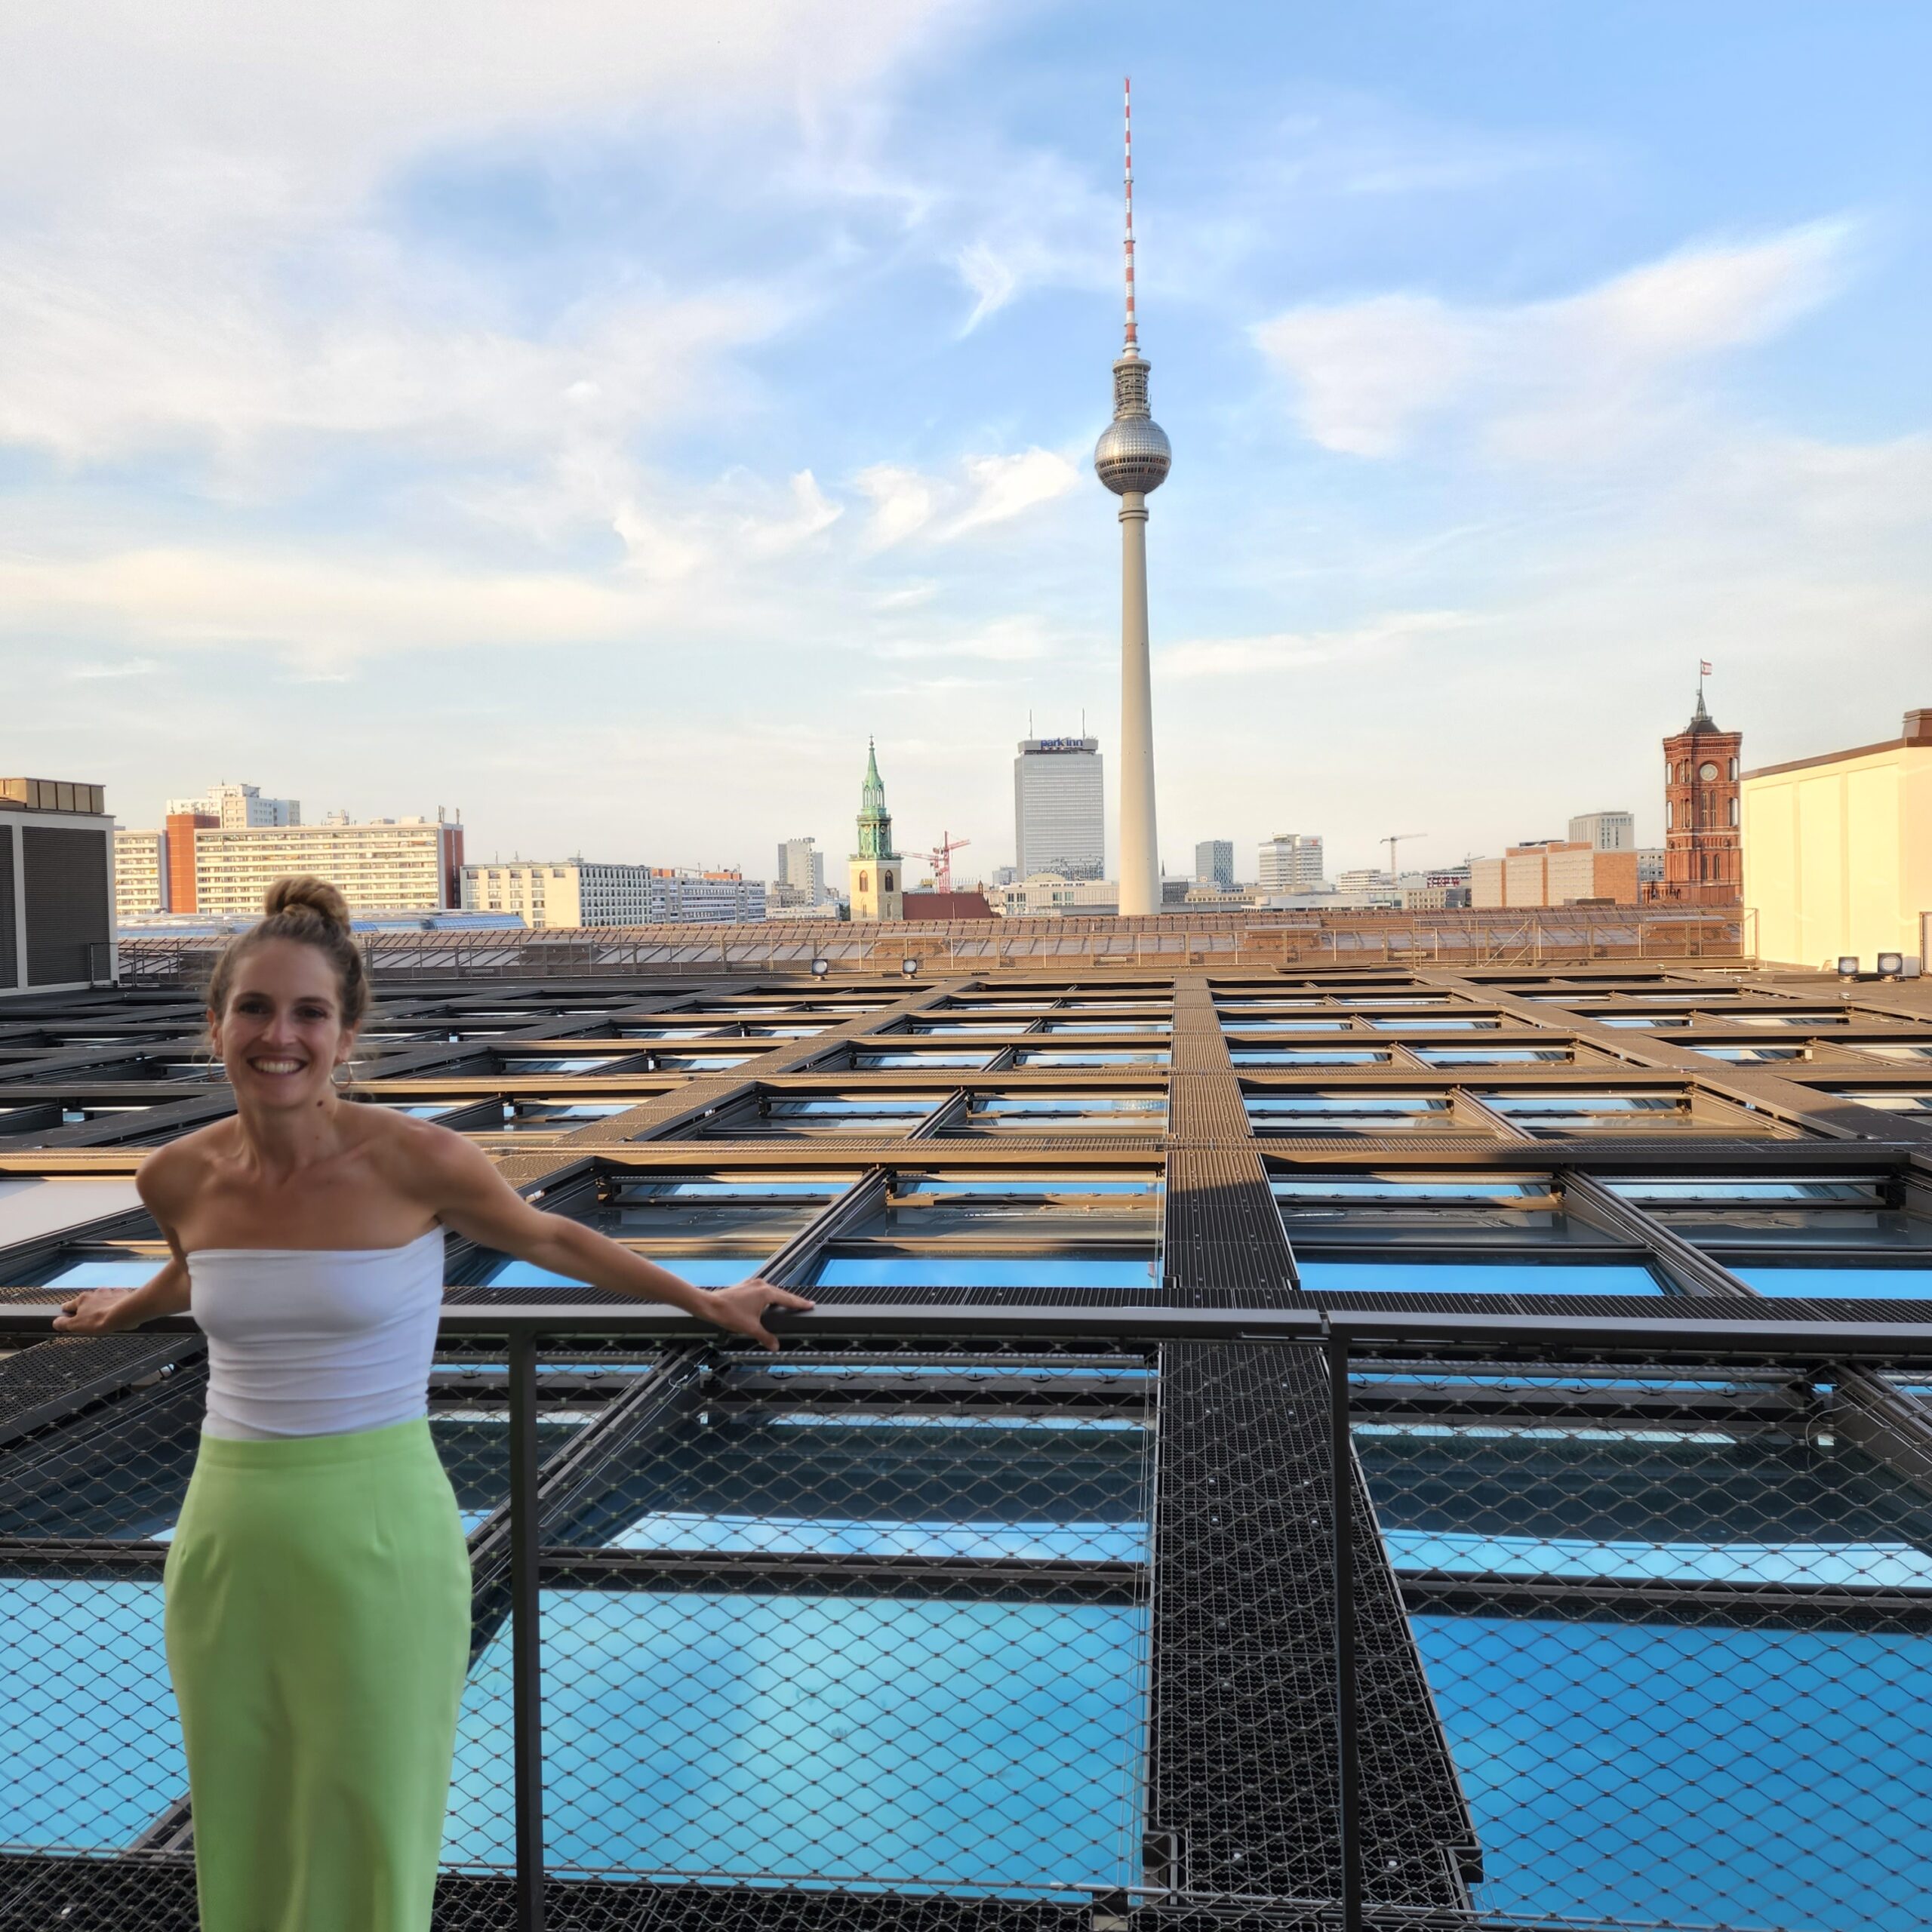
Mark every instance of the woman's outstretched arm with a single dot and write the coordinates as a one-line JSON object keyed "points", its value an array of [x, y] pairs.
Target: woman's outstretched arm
{"points": [[463, 1188]]}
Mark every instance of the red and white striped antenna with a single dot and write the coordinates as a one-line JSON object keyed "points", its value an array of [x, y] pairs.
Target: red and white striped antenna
{"points": [[1133, 332]]}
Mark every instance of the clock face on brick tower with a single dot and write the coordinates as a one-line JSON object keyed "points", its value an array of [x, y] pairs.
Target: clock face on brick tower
{"points": [[1707, 772], [1701, 855]]}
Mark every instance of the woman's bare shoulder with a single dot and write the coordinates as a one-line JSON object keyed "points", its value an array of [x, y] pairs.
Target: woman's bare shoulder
{"points": [[411, 1149], [174, 1169]]}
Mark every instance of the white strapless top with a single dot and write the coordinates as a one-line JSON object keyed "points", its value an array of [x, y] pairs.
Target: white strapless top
{"points": [[316, 1341]]}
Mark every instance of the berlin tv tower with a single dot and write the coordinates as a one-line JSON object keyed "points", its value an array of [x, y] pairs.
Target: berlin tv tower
{"points": [[1131, 458]]}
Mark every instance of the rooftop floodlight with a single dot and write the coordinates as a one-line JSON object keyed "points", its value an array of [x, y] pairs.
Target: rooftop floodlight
{"points": [[1847, 966], [909, 967], [820, 967], [1891, 965]]}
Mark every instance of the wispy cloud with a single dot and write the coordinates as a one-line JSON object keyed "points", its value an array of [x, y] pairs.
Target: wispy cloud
{"points": [[1544, 380], [1285, 650]]}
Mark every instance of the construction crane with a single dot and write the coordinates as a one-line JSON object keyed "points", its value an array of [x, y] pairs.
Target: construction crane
{"points": [[1392, 842], [940, 857]]}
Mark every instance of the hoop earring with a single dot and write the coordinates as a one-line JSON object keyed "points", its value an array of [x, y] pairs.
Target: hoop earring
{"points": [[340, 1078]]}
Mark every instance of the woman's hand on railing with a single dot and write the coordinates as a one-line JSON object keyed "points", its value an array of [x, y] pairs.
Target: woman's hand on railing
{"points": [[98, 1312], [742, 1310]]}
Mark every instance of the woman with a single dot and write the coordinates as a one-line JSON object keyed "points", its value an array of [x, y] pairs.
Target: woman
{"points": [[318, 1587]]}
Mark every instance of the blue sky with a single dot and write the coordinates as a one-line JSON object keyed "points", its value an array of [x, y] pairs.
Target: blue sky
{"points": [[602, 418]]}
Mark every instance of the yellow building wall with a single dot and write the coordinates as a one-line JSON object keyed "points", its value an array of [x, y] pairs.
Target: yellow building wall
{"points": [[1837, 856]]}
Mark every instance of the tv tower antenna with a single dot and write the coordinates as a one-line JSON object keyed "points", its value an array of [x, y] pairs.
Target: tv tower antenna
{"points": [[1132, 458]]}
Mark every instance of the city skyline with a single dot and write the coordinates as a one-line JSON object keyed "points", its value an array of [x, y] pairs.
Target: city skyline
{"points": [[546, 436]]}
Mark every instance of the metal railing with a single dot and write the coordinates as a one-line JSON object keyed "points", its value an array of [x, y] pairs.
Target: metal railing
{"points": [[1265, 1616]]}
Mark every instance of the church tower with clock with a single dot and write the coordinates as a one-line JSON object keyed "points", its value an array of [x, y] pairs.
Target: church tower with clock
{"points": [[877, 876], [1703, 850]]}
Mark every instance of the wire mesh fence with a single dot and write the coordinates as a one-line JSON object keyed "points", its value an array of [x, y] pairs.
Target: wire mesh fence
{"points": [[953, 1632]]}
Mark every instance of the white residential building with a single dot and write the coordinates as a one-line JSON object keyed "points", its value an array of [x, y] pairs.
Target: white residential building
{"points": [[681, 895], [394, 864], [238, 807], [140, 872], [1047, 894], [1289, 862], [561, 892]]}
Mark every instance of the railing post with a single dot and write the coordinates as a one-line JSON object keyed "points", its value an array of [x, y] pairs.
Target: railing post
{"points": [[526, 1635], [1347, 1754]]}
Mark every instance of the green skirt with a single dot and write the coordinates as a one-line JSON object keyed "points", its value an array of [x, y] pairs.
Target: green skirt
{"points": [[319, 1635]]}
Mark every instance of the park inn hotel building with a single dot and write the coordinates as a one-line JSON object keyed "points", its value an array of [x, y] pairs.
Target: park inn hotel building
{"points": [[1281, 1445]]}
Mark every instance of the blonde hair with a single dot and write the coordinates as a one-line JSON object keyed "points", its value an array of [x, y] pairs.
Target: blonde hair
{"points": [[311, 912]]}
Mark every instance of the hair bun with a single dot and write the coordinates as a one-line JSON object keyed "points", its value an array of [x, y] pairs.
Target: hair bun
{"points": [[303, 893]]}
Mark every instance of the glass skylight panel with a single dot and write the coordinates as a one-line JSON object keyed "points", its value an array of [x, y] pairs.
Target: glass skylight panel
{"points": [[1429, 1023], [957, 1269], [520, 1064], [1343, 1114], [1522, 1276], [1033, 1113], [1726, 1213], [697, 1062], [1554, 1115], [1663, 1758], [1333, 1022], [1746, 1055], [1247, 1056], [1645, 1022], [1493, 1055], [966, 1027], [1877, 1282], [1391, 1208], [770, 1206], [551, 1114], [973, 1060], [1122, 1026], [1828, 1017], [1887, 1099], [1033, 1206], [802, 1114], [31, 1206], [1092, 1056], [1898, 1049]]}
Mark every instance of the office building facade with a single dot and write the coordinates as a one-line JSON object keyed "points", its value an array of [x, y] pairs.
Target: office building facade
{"points": [[1214, 863], [140, 872], [1059, 809], [57, 887], [1554, 872], [688, 895], [1837, 851], [799, 883], [1289, 862], [1605, 831]]}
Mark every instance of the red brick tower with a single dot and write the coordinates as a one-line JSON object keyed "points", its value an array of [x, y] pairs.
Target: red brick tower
{"points": [[1703, 858]]}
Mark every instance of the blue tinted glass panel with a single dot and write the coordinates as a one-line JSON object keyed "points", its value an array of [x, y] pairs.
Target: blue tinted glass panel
{"points": [[970, 1271], [93, 1754], [1859, 1284], [1469, 1278], [1649, 1772], [1306, 1057], [912, 1741], [708, 1271], [130, 1273]]}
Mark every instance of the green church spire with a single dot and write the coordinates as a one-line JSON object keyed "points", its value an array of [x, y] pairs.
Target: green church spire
{"points": [[875, 821]]}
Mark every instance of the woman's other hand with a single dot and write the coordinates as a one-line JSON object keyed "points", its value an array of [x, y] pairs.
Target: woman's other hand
{"points": [[741, 1308]]}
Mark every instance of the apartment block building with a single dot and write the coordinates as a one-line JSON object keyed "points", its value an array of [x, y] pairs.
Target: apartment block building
{"points": [[1554, 872]]}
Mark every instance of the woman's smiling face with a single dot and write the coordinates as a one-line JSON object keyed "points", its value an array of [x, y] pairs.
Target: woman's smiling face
{"points": [[281, 1035]]}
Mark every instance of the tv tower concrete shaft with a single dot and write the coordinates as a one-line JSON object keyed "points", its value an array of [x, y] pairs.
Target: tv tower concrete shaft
{"points": [[1131, 458], [1140, 836]]}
